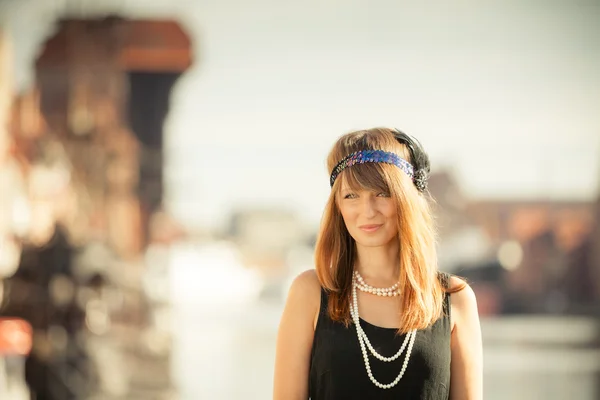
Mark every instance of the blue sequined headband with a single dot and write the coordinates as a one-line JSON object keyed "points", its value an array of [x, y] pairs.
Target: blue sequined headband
{"points": [[374, 156]]}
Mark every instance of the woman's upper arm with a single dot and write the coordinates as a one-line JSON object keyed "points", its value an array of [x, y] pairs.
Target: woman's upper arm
{"points": [[466, 382], [295, 337]]}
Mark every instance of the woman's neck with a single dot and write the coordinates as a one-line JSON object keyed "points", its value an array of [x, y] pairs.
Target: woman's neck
{"points": [[378, 265]]}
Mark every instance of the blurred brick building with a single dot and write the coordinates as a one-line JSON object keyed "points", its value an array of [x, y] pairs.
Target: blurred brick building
{"points": [[527, 256], [89, 140]]}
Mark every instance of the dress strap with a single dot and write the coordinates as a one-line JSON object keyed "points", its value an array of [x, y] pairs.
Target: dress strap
{"points": [[444, 278], [324, 301], [323, 309]]}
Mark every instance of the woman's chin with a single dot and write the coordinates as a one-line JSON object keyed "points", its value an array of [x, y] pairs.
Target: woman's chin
{"points": [[373, 241]]}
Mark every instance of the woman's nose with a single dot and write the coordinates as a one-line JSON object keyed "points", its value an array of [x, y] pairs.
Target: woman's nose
{"points": [[369, 207]]}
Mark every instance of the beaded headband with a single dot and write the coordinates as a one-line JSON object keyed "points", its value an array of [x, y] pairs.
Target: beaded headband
{"points": [[373, 156]]}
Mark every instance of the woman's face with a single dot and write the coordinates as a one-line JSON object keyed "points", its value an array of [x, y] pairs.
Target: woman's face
{"points": [[370, 217]]}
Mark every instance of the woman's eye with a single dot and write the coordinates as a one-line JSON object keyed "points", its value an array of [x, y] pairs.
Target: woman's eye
{"points": [[383, 194], [350, 196]]}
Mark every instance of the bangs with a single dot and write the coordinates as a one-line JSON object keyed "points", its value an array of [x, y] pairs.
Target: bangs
{"points": [[368, 176]]}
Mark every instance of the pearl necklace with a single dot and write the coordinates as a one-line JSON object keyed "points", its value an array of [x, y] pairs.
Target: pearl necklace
{"points": [[362, 286], [365, 344]]}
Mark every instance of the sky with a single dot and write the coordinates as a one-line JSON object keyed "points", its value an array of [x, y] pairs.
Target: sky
{"points": [[505, 94]]}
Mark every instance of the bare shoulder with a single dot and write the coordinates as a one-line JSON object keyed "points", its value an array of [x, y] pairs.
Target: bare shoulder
{"points": [[307, 280], [463, 300], [306, 283], [305, 291], [462, 294]]}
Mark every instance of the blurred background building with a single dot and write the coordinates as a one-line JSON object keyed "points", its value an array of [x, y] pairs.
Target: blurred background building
{"points": [[86, 144], [162, 170]]}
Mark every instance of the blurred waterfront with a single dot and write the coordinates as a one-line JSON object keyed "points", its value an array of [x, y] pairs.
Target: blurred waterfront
{"points": [[224, 345]]}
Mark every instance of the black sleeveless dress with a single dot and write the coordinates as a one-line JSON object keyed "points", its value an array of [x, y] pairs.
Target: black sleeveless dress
{"points": [[337, 370]]}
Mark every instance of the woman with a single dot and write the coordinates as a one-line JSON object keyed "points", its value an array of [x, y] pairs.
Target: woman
{"points": [[376, 320]]}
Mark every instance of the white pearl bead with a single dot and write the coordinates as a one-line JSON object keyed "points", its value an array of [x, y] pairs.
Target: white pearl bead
{"points": [[362, 286]]}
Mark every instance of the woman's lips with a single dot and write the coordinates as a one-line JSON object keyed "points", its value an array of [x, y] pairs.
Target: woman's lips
{"points": [[370, 228]]}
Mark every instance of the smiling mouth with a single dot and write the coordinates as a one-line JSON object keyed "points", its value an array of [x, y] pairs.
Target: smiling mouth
{"points": [[369, 228]]}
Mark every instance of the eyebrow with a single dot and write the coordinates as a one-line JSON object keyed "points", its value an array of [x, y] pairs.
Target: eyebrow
{"points": [[349, 190]]}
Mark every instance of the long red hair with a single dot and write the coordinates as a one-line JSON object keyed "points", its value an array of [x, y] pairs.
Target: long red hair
{"points": [[335, 253]]}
